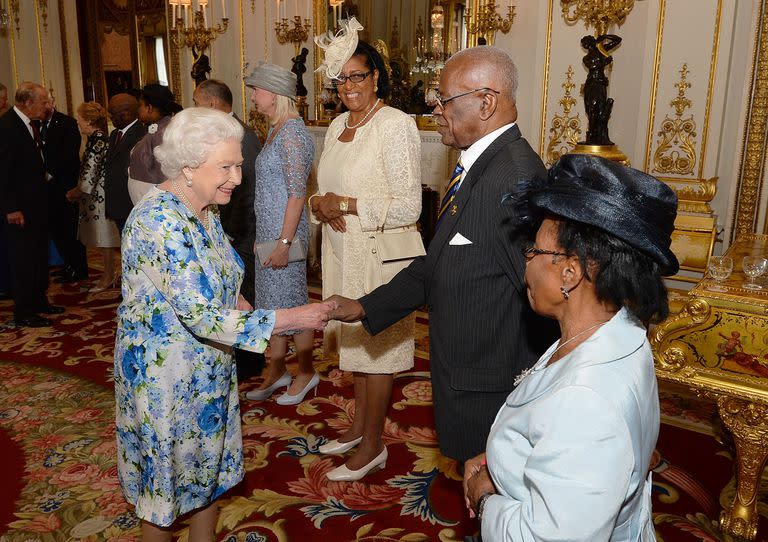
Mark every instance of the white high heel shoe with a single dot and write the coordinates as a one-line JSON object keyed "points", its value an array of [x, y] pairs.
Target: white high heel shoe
{"points": [[288, 399], [344, 474], [336, 447], [261, 395]]}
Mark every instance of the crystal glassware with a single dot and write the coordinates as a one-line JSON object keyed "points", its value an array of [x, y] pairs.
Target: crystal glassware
{"points": [[753, 267], [720, 268]]}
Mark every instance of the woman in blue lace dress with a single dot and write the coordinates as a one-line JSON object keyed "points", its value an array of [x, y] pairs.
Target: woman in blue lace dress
{"points": [[282, 169], [177, 412]]}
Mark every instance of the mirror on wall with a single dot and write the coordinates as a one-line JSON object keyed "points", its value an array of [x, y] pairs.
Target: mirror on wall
{"points": [[124, 45], [152, 47], [415, 37]]}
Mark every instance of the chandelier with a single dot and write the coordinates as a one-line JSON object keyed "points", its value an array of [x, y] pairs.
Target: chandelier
{"points": [[430, 59], [192, 30]]}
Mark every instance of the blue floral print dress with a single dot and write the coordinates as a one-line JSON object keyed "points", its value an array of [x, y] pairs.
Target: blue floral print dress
{"points": [[178, 418]]}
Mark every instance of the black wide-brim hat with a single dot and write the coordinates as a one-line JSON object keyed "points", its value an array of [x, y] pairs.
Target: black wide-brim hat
{"points": [[624, 202]]}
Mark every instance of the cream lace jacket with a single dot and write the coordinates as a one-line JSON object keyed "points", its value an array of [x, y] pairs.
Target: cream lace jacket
{"points": [[384, 169]]}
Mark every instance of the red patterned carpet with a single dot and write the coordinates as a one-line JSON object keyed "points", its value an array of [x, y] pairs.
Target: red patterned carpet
{"points": [[58, 453]]}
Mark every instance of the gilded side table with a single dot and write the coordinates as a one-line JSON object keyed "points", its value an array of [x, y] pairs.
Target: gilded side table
{"points": [[718, 346]]}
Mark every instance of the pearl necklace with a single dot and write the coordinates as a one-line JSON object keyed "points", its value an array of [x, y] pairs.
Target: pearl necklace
{"points": [[346, 121], [523, 375], [185, 200]]}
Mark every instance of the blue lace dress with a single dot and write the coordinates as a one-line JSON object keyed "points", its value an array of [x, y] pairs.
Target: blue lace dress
{"points": [[282, 169], [177, 412]]}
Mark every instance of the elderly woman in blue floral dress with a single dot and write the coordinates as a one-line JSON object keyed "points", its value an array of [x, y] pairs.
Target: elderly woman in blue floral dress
{"points": [[178, 418]]}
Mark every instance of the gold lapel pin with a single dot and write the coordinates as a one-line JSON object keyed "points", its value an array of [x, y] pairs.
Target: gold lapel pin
{"points": [[454, 209]]}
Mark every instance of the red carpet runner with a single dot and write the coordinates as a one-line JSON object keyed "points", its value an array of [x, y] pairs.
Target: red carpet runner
{"points": [[58, 454]]}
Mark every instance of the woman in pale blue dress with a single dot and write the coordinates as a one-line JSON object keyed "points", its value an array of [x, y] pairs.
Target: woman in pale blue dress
{"points": [[282, 169], [177, 415]]}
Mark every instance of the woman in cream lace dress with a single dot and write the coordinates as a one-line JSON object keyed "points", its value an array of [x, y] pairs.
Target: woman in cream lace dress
{"points": [[370, 167]]}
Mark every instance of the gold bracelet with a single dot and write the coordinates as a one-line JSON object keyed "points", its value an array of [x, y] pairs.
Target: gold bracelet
{"points": [[309, 201]]}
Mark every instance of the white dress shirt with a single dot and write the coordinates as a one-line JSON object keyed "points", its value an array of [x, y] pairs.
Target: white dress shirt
{"points": [[470, 155]]}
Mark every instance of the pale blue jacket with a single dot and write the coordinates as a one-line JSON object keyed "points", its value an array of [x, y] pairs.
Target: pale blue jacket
{"points": [[569, 451]]}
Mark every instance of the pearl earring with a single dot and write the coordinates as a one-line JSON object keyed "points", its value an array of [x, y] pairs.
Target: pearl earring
{"points": [[189, 182]]}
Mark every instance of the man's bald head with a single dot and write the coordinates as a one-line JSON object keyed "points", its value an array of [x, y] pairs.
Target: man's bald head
{"points": [[477, 88], [123, 110], [213, 93], [489, 66]]}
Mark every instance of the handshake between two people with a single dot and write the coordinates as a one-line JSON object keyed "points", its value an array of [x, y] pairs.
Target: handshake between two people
{"points": [[315, 315]]}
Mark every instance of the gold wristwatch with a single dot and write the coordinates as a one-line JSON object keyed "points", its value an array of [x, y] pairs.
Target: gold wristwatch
{"points": [[344, 205], [285, 241]]}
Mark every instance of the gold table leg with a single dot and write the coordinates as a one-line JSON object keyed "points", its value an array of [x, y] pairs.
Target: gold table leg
{"points": [[749, 424]]}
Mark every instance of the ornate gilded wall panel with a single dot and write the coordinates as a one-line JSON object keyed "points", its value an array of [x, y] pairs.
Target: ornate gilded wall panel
{"points": [[40, 44], [65, 54], [565, 128], [545, 82], [679, 149], [676, 147], [752, 163]]}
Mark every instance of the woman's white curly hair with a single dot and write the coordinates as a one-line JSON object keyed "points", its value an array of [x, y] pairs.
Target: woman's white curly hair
{"points": [[191, 136], [338, 48]]}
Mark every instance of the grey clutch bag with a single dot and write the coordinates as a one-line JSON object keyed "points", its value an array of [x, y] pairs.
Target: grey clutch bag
{"points": [[296, 252]]}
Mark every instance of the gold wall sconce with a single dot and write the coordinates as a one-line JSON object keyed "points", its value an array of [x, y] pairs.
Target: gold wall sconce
{"points": [[600, 14], [195, 33], [296, 34], [484, 22]]}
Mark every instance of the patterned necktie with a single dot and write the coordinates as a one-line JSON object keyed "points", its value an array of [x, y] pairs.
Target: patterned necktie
{"points": [[43, 130], [36, 133], [450, 193]]}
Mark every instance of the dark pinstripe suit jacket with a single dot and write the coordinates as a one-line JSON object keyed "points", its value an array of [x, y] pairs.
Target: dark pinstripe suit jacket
{"points": [[482, 331]]}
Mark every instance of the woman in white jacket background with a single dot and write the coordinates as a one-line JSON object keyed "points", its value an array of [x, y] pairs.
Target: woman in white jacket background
{"points": [[568, 454]]}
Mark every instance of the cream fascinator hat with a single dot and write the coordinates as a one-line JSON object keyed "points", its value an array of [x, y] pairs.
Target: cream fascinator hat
{"points": [[338, 48]]}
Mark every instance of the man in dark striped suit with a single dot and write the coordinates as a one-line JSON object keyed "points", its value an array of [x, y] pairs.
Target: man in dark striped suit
{"points": [[482, 330]]}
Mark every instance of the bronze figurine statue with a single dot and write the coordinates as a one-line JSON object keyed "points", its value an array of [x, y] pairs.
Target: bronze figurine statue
{"points": [[299, 67], [597, 104], [201, 67]]}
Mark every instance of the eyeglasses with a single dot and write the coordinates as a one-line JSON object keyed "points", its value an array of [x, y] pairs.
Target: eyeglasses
{"points": [[354, 77], [530, 253], [442, 102]]}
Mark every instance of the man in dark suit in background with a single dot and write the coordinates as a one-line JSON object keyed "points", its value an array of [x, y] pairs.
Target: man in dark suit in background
{"points": [[24, 205], [123, 110], [482, 331], [237, 217], [61, 148]]}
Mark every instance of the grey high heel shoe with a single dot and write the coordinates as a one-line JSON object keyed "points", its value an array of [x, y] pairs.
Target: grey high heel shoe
{"points": [[266, 393], [288, 399]]}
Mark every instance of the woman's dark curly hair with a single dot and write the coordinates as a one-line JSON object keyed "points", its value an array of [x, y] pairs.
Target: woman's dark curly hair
{"points": [[623, 276], [373, 61]]}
